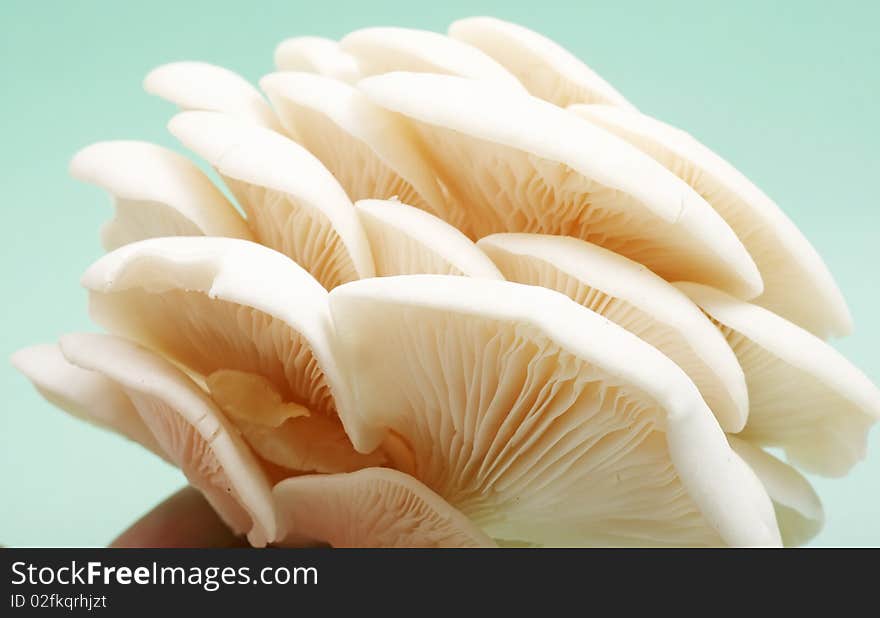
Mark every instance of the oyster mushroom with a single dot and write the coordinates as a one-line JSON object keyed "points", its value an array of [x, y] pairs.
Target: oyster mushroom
{"points": [[240, 317], [208, 87], [791, 268], [382, 50], [798, 509], [369, 150], [545, 68], [409, 241], [516, 163], [156, 192], [638, 300], [315, 54], [511, 399], [374, 507], [804, 396], [293, 204]]}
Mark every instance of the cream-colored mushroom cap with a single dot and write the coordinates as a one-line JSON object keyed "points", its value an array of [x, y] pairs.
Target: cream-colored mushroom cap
{"points": [[545, 68], [316, 54], [515, 163], [797, 283], [804, 396], [374, 507], [630, 295], [157, 192], [511, 399]]}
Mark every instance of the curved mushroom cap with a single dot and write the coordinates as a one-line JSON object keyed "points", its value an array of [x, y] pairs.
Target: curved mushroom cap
{"points": [[188, 426], [316, 54], [409, 241], [293, 204], [218, 303], [374, 507], [382, 50], [630, 295], [804, 396], [516, 163], [86, 395], [546, 69], [369, 150], [157, 192], [799, 511], [512, 400], [208, 87], [797, 283]]}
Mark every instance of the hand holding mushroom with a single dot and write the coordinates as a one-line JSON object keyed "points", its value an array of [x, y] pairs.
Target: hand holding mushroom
{"points": [[470, 296]]}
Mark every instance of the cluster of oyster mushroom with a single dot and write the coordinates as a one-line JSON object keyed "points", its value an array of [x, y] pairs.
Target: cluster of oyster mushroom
{"points": [[471, 297]]}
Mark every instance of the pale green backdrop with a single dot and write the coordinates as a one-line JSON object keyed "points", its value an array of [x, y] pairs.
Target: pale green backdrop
{"points": [[786, 91]]}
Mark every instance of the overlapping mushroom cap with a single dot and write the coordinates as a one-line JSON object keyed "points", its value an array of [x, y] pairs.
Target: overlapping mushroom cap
{"points": [[466, 295]]}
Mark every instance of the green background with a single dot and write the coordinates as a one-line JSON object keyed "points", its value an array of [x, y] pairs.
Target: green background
{"points": [[786, 91]]}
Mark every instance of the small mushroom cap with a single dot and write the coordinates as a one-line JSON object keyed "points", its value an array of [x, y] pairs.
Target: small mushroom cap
{"points": [[316, 54], [374, 507], [804, 396], [516, 163], [512, 399], [382, 50], [84, 394], [370, 151], [799, 511], [632, 296], [409, 241], [208, 87], [797, 283], [157, 193], [545, 68], [293, 203], [190, 429]]}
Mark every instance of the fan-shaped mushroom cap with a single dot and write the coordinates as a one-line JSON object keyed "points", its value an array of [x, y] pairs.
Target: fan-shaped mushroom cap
{"points": [[541, 420], [516, 163], [208, 87], [799, 511], [382, 50], [218, 303], [546, 69], [368, 149], [84, 394], [630, 295], [797, 283], [374, 507], [316, 54], [293, 204], [804, 396], [409, 241], [188, 426], [157, 192]]}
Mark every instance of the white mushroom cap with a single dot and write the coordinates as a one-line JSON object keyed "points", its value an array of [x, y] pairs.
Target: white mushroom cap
{"points": [[799, 511], [157, 192], [84, 394], [220, 303], [409, 241], [369, 150], [804, 396], [316, 54], [293, 204], [208, 87], [190, 429], [545, 68], [520, 164], [797, 283], [630, 295], [382, 50], [512, 398], [374, 507]]}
